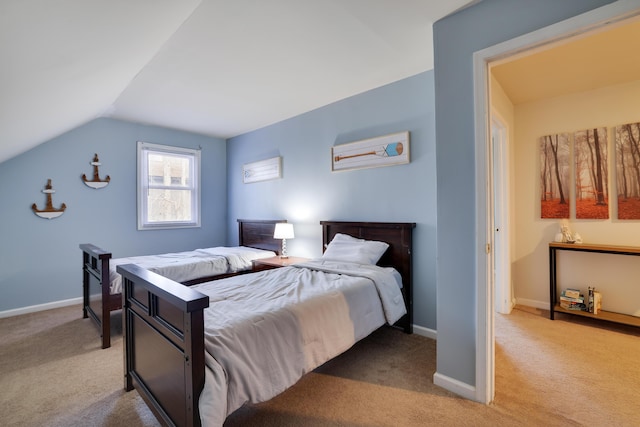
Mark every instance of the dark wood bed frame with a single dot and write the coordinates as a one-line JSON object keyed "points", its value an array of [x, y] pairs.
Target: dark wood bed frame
{"points": [[164, 325], [98, 303]]}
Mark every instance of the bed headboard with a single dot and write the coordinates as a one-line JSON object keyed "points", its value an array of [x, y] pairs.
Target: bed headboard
{"points": [[258, 233], [399, 237]]}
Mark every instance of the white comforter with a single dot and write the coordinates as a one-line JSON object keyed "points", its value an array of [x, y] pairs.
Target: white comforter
{"points": [[183, 266], [263, 331]]}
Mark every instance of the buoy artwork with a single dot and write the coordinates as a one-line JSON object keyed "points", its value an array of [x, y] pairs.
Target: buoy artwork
{"points": [[384, 150]]}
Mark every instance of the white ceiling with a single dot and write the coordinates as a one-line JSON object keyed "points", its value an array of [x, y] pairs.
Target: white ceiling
{"points": [[589, 61], [216, 67]]}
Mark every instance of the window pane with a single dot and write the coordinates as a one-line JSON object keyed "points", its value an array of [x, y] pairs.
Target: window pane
{"points": [[169, 205], [168, 187], [169, 170]]}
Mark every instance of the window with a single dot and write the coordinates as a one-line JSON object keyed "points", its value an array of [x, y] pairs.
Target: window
{"points": [[168, 187]]}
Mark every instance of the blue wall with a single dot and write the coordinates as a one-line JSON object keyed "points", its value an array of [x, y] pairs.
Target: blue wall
{"points": [[309, 192], [40, 260], [456, 38]]}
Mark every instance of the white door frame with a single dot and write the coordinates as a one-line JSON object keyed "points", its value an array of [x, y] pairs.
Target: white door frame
{"points": [[611, 14]]}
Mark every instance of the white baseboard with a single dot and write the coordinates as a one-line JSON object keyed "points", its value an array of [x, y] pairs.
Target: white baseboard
{"points": [[458, 387], [543, 305], [40, 307], [425, 332]]}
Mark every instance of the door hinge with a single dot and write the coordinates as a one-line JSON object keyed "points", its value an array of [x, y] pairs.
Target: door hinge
{"points": [[488, 248]]}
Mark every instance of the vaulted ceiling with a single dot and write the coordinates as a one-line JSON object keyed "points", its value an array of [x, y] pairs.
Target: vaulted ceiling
{"points": [[216, 67]]}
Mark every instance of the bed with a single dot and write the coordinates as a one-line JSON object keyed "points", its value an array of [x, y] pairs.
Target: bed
{"points": [[181, 375], [101, 284]]}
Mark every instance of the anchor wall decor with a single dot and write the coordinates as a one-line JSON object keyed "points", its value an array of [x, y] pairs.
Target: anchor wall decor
{"points": [[96, 182], [49, 211]]}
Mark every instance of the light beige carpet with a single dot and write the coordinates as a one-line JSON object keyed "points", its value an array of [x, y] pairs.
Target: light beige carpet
{"points": [[548, 373]]}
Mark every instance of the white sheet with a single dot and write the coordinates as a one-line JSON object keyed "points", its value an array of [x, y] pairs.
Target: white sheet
{"points": [[183, 266], [264, 331]]}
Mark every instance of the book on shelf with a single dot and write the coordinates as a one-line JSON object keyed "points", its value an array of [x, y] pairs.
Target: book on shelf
{"points": [[567, 305], [569, 299], [572, 299], [571, 293]]}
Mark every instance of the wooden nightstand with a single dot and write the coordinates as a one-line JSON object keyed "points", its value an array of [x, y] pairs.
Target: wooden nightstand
{"points": [[275, 262]]}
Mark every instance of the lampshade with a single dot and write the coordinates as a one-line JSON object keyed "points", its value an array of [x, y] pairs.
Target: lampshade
{"points": [[283, 230]]}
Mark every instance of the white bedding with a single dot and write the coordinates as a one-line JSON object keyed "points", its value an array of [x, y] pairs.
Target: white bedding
{"points": [[183, 266], [264, 331]]}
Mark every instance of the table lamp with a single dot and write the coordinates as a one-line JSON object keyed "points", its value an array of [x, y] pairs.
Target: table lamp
{"points": [[283, 231]]}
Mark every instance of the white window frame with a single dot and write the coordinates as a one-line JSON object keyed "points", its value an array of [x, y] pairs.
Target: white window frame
{"points": [[144, 150]]}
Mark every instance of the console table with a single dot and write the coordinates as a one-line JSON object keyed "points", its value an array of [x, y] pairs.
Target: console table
{"points": [[554, 306]]}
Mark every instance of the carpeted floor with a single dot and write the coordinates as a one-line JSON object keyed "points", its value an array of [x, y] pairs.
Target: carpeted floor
{"points": [[560, 373]]}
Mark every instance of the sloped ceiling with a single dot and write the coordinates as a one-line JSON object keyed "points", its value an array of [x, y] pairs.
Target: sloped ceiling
{"points": [[216, 67]]}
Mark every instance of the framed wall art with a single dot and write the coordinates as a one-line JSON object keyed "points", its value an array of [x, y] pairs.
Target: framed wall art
{"points": [[627, 171], [591, 173], [384, 150], [262, 170], [554, 176]]}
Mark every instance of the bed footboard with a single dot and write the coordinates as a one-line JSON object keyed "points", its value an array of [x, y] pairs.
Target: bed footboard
{"points": [[97, 302], [163, 327]]}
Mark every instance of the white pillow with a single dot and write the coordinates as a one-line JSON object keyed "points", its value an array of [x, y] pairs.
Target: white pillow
{"points": [[346, 248]]}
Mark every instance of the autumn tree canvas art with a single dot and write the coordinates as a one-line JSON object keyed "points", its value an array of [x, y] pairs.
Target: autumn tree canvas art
{"points": [[591, 174], [554, 176], [628, 170]]}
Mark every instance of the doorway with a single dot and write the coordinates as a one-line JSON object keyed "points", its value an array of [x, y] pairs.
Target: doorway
{"points": [[486, 212]]}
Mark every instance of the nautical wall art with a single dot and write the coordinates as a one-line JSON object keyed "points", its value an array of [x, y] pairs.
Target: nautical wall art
{"points": [[96, 182], [262, 170], [554, 176], [49, 211], [384, 150], [627, 170]]}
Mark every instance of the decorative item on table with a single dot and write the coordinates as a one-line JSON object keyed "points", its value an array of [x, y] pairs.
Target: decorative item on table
{"points": [[594, 301], [49, 211], [572, 299], [96, 182], [597, 302], [284, 231], [567, 237], [559, 237]]}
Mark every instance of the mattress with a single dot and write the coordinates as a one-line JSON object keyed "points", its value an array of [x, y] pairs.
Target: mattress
{"points": [[264, 331], [183, 266]]}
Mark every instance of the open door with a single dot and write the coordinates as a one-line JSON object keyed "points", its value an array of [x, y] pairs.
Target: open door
{"points": [[501, 232]]}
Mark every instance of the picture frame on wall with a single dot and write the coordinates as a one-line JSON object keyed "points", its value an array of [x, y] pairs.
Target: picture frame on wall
{"points": [[262, 170], [627, 140], [591, 171], [387, 150], [554, 175]]}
